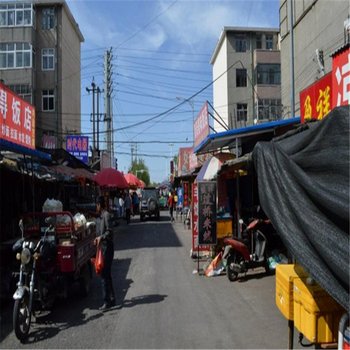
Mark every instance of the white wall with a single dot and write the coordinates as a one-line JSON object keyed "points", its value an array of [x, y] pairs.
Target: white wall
{"points": [[220, 86]]}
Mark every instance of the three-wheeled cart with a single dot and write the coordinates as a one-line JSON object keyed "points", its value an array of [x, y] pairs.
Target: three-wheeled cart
{"points": [[73, 242]]}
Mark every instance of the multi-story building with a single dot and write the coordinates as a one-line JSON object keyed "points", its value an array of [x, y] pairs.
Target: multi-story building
{"points": [[246, 77], [319, 29], [40, 60]]}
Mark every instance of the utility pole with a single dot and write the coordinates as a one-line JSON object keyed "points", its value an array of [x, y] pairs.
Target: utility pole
{"points": [[98, 119], [108, 93], [93, 90], [291, 33]]}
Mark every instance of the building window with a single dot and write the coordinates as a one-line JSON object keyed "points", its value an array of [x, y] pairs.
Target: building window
{"points": [[16, 15], [258, 41], [269, 109], [48, 18], [268, 74], [242, 112], [269, 42], [240, 43], [241, 77], [47, 59], [48, 100], [22, 90], [15, 55]]}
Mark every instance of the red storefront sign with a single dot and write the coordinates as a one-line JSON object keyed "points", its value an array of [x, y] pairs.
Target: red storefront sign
{"points": [[316, 99], [185, 154], [341, 79], [17, 119], [201, 125], [186, 188]]}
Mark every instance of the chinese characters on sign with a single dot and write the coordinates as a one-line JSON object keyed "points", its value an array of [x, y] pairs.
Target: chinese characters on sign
{"points": [[185, 154], [78, 146], [316, 100], [17, 119], [201, 125], [195, 245], [330, 91], [207, 212], [185, 186], [341, 79]]}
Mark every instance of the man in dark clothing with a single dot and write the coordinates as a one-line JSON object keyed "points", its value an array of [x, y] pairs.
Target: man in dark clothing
{"points": [[128, 206], [105, 238]]}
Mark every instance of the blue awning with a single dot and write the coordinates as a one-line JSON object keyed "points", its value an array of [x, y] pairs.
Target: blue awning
{"points": [[214, 142], [10, 146]]}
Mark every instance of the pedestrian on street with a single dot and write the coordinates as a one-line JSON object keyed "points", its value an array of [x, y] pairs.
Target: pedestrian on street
{"points": [[171, 204], [105, 238], [127, 206]]}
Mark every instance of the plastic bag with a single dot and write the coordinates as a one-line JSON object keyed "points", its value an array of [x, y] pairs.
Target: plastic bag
{"points": [[98, 261], [216, 267]]}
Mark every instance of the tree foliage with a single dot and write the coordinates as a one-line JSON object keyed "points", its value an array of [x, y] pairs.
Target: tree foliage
{"points": [[139, 168]]}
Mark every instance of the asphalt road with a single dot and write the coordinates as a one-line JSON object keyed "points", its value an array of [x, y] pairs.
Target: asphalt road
{"points": [[161, 303]]}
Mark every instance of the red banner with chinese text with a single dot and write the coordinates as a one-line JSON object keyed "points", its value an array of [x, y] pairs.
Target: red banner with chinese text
{"points": [[341, 79], [316, 99], [201, 125], [185, 154], [17, 119], [186, 188]]}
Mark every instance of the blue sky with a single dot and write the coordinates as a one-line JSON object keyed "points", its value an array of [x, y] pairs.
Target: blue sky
{"points": [[161, 56]]}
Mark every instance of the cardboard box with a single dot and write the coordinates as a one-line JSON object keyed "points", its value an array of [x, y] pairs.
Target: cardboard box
{"points": [[316, 313], [285, 275]]}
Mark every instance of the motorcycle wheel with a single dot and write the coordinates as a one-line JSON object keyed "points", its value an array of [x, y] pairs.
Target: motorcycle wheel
{"points": [[21, 318], [235, 258]]}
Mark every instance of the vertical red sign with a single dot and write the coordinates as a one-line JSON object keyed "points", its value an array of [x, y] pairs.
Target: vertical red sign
{"points": [[17, 119], [185, 154], [185, 186], [341, 79], [201, 125]]}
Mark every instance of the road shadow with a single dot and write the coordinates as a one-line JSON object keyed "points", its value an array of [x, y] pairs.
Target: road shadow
{"points": [[75, 310], [146, 234]]}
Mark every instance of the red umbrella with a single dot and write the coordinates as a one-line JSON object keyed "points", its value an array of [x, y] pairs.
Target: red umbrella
{"points": [[142, 184], [132, 180], [110, 177]]}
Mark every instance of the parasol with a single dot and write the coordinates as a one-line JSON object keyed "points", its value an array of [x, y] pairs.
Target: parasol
{"points": [[110, 177], [132, 180], [142, 184], [211, 166]]}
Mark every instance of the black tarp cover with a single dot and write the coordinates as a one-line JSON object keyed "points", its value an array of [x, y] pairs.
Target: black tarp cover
{"points": [[303, 181]]}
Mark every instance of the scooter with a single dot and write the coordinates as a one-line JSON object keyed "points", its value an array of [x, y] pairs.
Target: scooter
{"points": [[248, 252], [36, 287]]}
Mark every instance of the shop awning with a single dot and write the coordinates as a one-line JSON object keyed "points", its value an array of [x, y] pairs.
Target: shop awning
{"points": [[69, 173], [10, 146], [246, 136], [243, 162]]}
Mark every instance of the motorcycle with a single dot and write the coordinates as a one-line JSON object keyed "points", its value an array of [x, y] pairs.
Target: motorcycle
{"points": [[37, 283], [248, 252]]}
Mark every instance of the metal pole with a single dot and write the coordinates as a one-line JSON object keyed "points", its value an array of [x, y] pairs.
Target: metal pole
{"points": [[292, 83], [98, 118], [93, 118]]}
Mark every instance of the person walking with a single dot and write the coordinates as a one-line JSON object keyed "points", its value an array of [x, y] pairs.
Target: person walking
{"points": [[105, 239], [171, 204], [127, 206]]}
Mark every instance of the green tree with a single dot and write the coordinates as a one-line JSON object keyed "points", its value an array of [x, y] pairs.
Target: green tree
{"points": [[139, 168]]}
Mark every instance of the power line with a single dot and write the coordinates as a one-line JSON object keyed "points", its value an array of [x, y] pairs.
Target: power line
{"points": [[147, 24]]}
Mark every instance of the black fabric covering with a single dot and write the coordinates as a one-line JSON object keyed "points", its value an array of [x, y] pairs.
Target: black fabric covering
{"points": [[303, 183]]}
